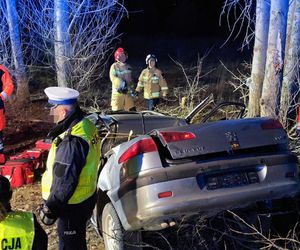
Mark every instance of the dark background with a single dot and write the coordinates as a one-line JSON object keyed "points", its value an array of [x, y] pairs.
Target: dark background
{"points": [[181, 29]]}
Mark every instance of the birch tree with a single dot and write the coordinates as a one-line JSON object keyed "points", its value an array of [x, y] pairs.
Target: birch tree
{"points": [[270, 99], [259, 56], [74, 37], [10, 19], [62, 42], [290, 86]]}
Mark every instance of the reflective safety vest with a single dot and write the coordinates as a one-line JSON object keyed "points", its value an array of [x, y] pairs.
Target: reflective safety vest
{"points": [[88, 177], [17, 231]]}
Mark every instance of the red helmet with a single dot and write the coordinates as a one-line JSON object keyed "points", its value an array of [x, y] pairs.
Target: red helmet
{"points": [[118, 52]]}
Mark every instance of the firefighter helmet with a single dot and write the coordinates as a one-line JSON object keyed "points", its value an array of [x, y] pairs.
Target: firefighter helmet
{"points": [[150, 56], [118, 52], [5, 190]]}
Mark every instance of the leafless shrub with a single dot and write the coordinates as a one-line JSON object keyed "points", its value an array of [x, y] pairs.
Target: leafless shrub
{"points": [[226, 230], [240, 82], [188, 96]]}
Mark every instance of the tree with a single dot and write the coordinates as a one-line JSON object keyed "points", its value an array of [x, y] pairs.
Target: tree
{"points": [[290, 87], [270, 100], [9, 11], [73, 37], [62, 42], [259, 56]]}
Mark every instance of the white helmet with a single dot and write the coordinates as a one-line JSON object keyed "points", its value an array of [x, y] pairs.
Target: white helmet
{"points": [[150, 56]]}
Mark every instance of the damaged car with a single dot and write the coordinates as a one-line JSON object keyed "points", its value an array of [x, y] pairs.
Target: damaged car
{"points": [[156, 169]]}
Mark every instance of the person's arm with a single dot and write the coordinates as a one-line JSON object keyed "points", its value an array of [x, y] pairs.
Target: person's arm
{"points": [[7, 82], [40, 240], [140, 84], [70, 159], [163, 84]]}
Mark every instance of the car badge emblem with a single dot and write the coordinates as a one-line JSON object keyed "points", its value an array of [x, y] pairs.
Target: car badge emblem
{"points": [[233, 140]]}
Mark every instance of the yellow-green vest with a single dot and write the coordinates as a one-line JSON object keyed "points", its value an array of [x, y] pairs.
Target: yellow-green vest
{"points": [[17, 231], [88, 177]]}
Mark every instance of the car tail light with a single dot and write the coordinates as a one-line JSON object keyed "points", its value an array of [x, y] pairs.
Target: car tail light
{"points": [[165, 194], [177, 136], [143, 146], [271, 124]]}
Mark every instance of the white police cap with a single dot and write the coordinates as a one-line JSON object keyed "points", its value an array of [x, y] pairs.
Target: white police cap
{"points": [[61, 95]]}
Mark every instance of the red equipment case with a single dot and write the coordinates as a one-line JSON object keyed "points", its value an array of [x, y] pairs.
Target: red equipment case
{"points": [[18, 171]]}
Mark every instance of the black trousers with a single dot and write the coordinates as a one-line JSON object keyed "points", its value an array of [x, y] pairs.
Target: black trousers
{"points": [[71, 225]]}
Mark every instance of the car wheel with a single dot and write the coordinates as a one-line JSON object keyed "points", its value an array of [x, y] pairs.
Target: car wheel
{"points": [[114, 236]]}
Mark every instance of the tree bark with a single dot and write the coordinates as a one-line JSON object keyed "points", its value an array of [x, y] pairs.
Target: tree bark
{"points": [[14, 33], [62, 42], [259, 56], [270, 100], [290, 89]]}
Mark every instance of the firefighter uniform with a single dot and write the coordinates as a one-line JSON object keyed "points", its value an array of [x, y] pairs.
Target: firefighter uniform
{"points": [[6, 89], [153, 83], [69, 183], [122, 87]]}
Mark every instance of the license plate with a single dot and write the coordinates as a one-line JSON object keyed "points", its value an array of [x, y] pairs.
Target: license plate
{"points": [[228, 180]]}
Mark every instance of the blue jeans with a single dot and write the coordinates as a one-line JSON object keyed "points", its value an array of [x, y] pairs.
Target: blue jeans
{"points": [[152, 103]]}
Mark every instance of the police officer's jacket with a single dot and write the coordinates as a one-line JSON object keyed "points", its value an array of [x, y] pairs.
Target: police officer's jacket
{"points": [[72, 163], [20, 230]]}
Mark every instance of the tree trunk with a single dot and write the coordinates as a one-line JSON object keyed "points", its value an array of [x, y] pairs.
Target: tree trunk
{"points": [[259, 56], [291, 64], [270, 100], [14, 33], [62, 42]]}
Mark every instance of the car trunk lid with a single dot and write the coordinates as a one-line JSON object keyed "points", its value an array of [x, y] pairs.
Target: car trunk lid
{"points": [[222, 136]]}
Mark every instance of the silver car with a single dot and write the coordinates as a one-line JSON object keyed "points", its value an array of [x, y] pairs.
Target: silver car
{"points": [[156, 169]]}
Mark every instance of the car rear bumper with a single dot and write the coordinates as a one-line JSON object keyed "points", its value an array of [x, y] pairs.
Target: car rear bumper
{"points": [[142, 208]]}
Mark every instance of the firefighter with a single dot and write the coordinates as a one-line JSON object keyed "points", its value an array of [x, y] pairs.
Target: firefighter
{"points": [[6, 89], [18, 230], [153, 83], [122, 85], [69, 182]]}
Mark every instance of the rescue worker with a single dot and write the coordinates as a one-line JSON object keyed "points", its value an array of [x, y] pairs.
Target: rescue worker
{"points": [[6, 89], [18, 230], [122, 85], [153, 83], [69, 182]]}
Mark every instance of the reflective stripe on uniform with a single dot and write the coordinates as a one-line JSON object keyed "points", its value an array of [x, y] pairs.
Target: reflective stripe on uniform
{"points": [[88, 177], [164, 88], [17, 231], [151, 95]]}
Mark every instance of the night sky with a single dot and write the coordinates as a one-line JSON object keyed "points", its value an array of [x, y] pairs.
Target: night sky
{"points": [[177, 28]]}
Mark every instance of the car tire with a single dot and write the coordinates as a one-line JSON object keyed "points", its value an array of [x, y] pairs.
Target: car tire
{"points": [[114, 236]]}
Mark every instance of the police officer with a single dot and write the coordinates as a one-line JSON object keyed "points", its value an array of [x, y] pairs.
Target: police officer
{"points": [[122, 84], [6, 89], [153, 83], [69, 182], [18, 230]]}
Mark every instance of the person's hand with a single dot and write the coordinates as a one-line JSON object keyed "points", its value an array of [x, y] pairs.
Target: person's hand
{"points": [[47, 217], [122, 88]]}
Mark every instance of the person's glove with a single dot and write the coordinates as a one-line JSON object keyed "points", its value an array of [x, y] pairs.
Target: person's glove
{"points": [[47, 217], [4, 96], [122, 88], [134, 94]]}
